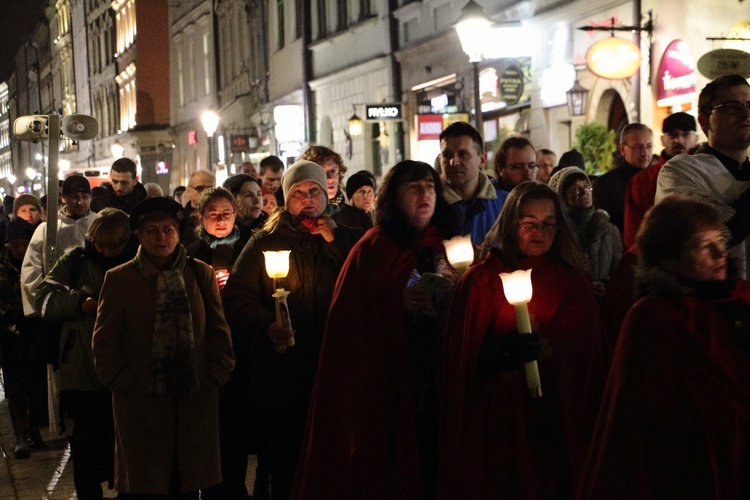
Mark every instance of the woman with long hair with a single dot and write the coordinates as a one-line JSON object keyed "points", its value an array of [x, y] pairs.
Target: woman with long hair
{"points": [[382, 351], [496, 440]]}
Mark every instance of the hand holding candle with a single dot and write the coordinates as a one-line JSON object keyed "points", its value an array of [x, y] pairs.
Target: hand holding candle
{"points": [[460, 252], [518, 290], [277, 266]]}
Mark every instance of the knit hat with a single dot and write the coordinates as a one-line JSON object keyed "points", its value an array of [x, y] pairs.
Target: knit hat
{"points": [[156, 204], [301, 171], [572, 158], [235, 183], [356, 181], [678, 121], [76, 184], [19, 229], [560, 180], [26, 199]]}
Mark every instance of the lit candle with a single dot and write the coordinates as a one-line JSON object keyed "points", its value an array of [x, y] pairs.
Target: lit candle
{"points": [[277, 267], [518, 290], [460, 252]]}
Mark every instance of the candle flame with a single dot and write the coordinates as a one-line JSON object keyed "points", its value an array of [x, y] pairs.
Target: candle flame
{"points": [[277, 263], [517, 286]]}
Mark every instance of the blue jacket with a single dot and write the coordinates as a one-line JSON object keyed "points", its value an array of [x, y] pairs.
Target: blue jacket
{"points": [[479, 214]]}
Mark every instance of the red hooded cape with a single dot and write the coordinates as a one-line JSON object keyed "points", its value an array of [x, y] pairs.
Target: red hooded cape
{"points": [[496, 442], [675, 421], [360, 440]]}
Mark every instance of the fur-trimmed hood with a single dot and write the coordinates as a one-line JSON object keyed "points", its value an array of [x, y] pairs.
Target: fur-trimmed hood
{"points": [[657, 282]]}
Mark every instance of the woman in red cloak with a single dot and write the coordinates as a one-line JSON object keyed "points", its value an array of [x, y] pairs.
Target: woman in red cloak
{"points": [[372, 426], [675, 421], [496, 441]]}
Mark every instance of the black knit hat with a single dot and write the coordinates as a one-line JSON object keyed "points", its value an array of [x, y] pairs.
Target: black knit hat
{"points": [[572, 158], [678, 121], [19, 229], [156, 204], [234, 183], [356, 181], [76, 184]]}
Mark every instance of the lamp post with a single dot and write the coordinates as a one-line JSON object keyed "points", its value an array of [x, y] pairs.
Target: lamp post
{"points": [[472, 28], [578, 97], [210, 122]]}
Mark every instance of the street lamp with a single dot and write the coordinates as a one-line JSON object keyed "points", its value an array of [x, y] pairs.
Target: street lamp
{"points": [[578, 97], [210, 122], [473, 27], [118, 150], [355, 124]]}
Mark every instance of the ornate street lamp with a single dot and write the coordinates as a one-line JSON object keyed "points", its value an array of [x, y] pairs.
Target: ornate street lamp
{"points": [[578, 98], [210, 122], [355, 124], [473, 27]]}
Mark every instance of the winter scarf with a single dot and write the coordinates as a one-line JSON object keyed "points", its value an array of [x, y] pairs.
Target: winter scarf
{"points": [[214, 242], [173, 371], [581, 218]]}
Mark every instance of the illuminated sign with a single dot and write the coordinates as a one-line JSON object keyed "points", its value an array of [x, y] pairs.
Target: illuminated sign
{"points": [[240, 143], [676, 78], [383, 112], [429, 127], [192, 137], [162, 167], [614, 58]]}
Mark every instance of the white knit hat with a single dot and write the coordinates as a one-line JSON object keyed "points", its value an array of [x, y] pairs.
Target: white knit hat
{"points": [[301, 171], [557, 181]]}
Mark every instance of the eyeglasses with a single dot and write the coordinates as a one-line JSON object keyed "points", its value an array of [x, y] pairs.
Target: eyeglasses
{"points": [[579, 191], [219, 215], [732, 107], [199, 188], [640, 147], [300, 194], [333, 173], [521, 166], [544, 227]]}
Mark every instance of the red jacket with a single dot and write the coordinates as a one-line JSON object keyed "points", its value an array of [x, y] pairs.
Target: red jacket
{"points": [[639, 198], [495, 441]]}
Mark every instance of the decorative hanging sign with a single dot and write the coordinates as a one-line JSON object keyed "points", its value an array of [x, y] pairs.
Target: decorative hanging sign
{"points": [[614, 58], [676, 78], [724, 62]]}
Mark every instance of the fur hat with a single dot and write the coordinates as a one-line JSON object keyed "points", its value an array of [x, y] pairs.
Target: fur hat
{"points": [[560, 180], [19, 229], [301, 171], [26, 199], [356, 181], [76, 184], [156, 204], [678, 121]]}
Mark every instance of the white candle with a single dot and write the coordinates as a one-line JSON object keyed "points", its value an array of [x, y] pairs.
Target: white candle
{"points": [[460, 252], [277, 267], [518, 291]]}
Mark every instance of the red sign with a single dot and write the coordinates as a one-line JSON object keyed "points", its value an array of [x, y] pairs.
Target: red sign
{"points": [[192, 137], [429, 127], [240, 143], [614, 58], [676, 78]]}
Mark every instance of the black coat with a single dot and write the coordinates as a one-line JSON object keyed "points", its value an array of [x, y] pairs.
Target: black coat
{"points": [[125, 203]]}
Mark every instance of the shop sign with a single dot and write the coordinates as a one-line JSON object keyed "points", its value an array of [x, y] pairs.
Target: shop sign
{"points": [[614, 58], [429, 127], [511, 85], [724, 62], [240, 143], [383, 112], [162, 167], [676, 78]]}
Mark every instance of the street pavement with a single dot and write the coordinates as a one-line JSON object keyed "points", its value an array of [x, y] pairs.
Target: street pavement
{"points": [[48, 474]]}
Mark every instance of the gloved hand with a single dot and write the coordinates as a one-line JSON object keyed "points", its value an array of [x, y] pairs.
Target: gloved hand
{"points": [[507, 353]]}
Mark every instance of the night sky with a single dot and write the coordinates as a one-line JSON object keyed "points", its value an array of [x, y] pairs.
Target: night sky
{"points": [[17, 19]]}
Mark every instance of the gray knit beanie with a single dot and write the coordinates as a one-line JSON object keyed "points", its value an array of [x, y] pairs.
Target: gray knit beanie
{"points": [[558, 181], [301, 171], [26, 199]]}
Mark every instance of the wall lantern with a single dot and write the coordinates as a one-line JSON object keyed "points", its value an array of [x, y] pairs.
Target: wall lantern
{"points": [[355, 124], [578, 98]]}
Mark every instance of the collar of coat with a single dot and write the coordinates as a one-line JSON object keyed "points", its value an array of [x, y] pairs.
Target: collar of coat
{"points": [[486, 190]]}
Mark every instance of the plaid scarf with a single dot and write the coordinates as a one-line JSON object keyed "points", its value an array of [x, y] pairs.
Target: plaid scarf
{"points": [[173, 371]]}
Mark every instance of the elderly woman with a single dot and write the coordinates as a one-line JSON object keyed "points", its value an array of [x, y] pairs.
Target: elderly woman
{"points": [[70, 293], [496, 441], [249, 200], [599, 238], [360, 189], [162, 346], [675, 422], [389, 279], [281, 377]]}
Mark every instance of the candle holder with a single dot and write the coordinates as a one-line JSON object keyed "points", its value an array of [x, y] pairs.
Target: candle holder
{"points": [[460, 253], [518, 290], [277, 268]]}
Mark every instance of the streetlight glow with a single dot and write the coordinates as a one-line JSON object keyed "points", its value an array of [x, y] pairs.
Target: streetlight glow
{"points": [[472, 28], [210, 122]]}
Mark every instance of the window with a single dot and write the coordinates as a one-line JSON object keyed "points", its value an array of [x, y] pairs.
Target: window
{"points": [[280, 22], [342, 8], [364, 9], [206, 64], [322, 19], [298, 18]]}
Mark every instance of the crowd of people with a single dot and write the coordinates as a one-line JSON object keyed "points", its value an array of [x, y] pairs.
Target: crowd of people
{"points": [[374, 367]]}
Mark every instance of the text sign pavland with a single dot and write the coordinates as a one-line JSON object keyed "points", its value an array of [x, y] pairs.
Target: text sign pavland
{"points": [[383, 112]]}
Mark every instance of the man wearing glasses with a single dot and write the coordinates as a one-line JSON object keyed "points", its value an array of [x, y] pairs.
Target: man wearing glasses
{"points": [[679, 137], [636, 148], [719, 172]]}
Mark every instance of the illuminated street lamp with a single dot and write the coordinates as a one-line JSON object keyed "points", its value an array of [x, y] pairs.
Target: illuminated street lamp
{"points": [[355, 124], [118, 150], [210, 122], [473, 27], [578, 97]]}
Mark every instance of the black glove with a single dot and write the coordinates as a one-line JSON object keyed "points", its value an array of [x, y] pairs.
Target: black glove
{"points": [[507, 353]]}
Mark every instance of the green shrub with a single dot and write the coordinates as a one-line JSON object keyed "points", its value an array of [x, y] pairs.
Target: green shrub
{"points": [[597, 144]]}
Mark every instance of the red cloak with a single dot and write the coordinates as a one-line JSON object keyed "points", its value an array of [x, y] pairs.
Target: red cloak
{"points": [[497, 442], [675, 420], [360, 440]]}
